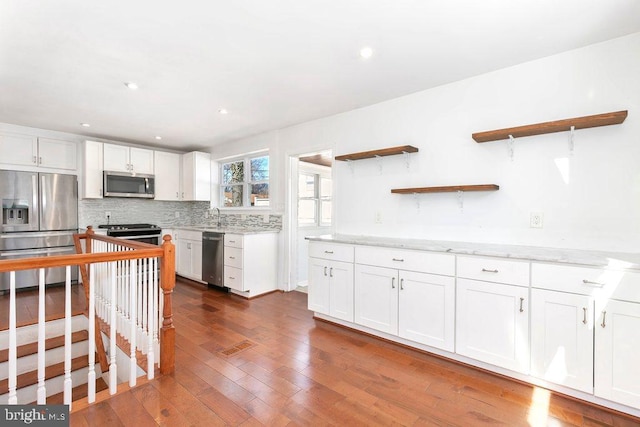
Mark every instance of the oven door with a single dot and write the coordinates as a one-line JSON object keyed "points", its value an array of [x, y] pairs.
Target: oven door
{"points": [[153, 239]]}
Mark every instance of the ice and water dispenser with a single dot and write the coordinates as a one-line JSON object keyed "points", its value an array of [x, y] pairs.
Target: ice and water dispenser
{"points": [[14, 213]]}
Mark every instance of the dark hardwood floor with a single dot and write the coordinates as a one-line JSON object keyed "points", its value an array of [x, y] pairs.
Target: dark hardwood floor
{"points": [[268, 362]]}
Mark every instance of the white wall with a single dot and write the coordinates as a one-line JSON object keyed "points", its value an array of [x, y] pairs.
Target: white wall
{"points": [[598, 207]]}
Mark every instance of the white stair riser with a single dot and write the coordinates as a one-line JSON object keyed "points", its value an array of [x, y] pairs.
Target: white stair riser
{"points": [[55, 385], [53, 356], [54, 328]]}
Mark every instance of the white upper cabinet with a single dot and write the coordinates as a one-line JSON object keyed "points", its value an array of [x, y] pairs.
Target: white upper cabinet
{"points": [[167, 173], [196, 176], [93, 161], [29, 150], [121, 158]]}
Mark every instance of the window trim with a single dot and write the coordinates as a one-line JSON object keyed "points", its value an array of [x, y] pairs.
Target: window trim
{"points": [[246, 182]]}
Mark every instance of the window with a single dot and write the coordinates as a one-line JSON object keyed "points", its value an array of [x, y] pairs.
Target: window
{"points": [[245, 182], [314, 200]]}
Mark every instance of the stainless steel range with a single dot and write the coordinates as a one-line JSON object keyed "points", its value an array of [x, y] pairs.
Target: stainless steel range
{"points": [[39, 217], [146, 233]]}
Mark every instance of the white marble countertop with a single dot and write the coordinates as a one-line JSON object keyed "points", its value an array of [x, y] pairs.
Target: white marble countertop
{"points": [[230, 230], [616, 260]]}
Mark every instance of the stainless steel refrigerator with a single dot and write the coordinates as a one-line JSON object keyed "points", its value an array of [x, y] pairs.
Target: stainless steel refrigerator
{"points": [[39, 217]]}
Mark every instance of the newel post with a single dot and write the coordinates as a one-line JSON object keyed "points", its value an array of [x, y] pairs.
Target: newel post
{"points": [[167, 282]]}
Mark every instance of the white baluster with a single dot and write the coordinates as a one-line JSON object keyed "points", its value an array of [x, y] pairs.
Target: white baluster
{"points": [[133, 314], [13, 351], [150, 322], [42, 389], [67, 338], [113, 366], [91, 375]]}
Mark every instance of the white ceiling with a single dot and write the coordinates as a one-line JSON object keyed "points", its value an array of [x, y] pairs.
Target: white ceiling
{"points": [[270, 63]]}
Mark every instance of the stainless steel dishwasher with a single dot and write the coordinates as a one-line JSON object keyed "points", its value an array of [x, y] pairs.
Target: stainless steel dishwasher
{"points": [[213, 258]]}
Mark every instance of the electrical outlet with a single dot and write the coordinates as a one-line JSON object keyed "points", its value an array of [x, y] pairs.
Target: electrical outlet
{"points": [[265, 219], [107, 214], [177, 214], [377, 218], [206, 214], [536, 220]]}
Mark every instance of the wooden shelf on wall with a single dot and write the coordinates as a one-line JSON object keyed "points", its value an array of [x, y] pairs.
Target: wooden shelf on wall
{"points": [[597, 120], [378, 153], [447, 189]]}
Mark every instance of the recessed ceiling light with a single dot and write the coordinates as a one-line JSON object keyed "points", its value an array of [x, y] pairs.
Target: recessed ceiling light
{"points": [[366, 52], [223, 111], [158, 137], [131, 85], [86, 125]]}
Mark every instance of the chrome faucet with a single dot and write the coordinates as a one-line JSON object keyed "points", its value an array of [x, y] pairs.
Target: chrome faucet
{"points": [[218, 213]]}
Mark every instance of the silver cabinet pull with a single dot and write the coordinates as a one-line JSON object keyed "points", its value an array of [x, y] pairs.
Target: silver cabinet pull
{"points": [[232, 241], [328, 252], [591, 283], [397, 259], [521, 303], [325, 270], [39, 160], [177, 195], [35, 159], [489, 271], [401, 284], [393, 283], [604, 316], [232, 257], [331, 272], [232, 278], [584, 315]]}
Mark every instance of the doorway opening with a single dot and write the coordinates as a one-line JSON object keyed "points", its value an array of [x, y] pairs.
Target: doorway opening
{"points": [[311, 209]]}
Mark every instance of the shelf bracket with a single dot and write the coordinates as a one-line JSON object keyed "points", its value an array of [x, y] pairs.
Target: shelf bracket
{"points": [[571, 134], [510, 145], [351, 166], [406, 159], [461, 199]]}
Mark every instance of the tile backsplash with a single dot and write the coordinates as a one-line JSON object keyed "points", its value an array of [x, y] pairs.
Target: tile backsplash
{"points": [[167, 214]]}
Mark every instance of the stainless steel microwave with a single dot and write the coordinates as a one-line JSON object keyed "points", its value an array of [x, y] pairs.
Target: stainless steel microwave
{"points": [[124, 184]]}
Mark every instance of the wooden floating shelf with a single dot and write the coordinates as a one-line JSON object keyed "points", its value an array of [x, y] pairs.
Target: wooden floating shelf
{"points": [[378, 153], [597, 120], [447, 189]]}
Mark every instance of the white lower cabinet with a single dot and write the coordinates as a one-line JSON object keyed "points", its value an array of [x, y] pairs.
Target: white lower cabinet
{"points": [[562, 338], [250, 263], [331, 280], [617, 352], [376, 298], [189, 254], [493, 323]]}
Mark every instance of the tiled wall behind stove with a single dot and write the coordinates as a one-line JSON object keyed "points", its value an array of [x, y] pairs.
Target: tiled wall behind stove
{"points": [[127, 211]]}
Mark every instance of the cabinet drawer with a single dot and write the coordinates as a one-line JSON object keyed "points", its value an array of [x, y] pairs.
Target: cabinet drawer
{"points": [[411, 260], [233, 256], [233, 278], [233, 240], [331, 251], [494, 270], [615, 284], [188, 234]]}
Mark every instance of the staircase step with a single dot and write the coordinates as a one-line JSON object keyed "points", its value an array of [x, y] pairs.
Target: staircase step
{"points": [[30, 378], [77, 393], [51, 343]]}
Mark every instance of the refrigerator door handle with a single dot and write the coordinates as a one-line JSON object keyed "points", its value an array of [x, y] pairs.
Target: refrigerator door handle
{"points": [[35, 252], [43, 234]]}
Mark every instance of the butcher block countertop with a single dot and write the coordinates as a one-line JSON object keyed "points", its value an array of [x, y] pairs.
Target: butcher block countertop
{"points": [[614, 260]]}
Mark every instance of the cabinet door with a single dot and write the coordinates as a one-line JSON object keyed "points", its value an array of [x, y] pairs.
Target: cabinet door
{"points": [[167, 172], [562, 338], [183, 257], [426, 309], [18, 149], [196, 176], [318, 297], [116, 158], [376, 298], [341, 290], [196, 259], [56, 153], [617, 371], [492, 323], [92, 185], [141, 160]]}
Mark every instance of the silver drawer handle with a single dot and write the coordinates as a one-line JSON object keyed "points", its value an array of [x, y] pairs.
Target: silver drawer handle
{"points": [[232, 278], [232, 257], [232, 241], [591, 283], [489, 271], [397, 259], [328, 252]]}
